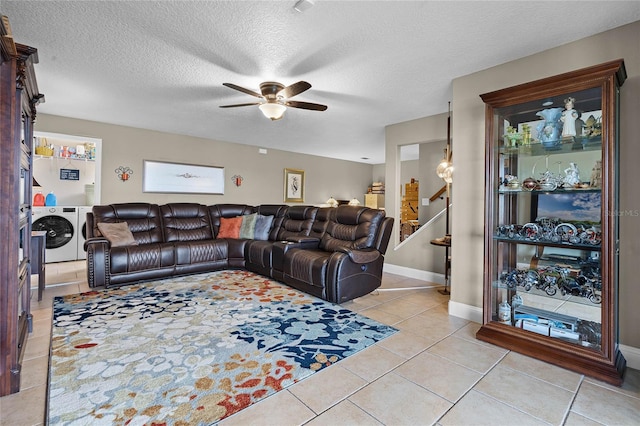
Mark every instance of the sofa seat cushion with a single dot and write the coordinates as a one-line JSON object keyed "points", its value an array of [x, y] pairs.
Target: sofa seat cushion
{"points": [[191, 252], [142, 257]]}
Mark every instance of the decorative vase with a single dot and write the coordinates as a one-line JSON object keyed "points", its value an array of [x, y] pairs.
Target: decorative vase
{"points": [[504, 312], [550, 130]]}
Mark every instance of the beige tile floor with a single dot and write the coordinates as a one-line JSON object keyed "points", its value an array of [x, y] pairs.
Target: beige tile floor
{"points": [[433, 371]]}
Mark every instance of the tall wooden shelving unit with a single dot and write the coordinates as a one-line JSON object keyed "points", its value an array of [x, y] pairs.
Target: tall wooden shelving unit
{"points": [[18, 99], [551, 273]]}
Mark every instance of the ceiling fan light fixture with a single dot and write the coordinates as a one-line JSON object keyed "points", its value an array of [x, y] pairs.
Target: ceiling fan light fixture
{"points": [[272, 110]]}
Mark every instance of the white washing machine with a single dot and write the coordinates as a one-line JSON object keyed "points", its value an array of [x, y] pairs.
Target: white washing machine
{"points": [[60, 224], [82, 232]]}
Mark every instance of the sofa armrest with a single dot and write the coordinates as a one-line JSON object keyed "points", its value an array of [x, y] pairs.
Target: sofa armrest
{"points": [[95, 242], [302, 242], [360, 256], [98, 261]]}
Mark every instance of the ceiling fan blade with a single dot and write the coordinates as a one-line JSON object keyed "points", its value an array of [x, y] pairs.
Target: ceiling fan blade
{"points": [[240, 105], [294, 89], [242, 89], [305, 105]]}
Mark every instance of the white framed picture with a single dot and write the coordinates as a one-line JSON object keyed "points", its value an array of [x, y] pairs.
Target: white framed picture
{"points": [[293, 186], [180, 178]]}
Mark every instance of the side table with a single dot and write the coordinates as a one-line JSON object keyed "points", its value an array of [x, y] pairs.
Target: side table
{"points": [[38, 246], [446, 243]]}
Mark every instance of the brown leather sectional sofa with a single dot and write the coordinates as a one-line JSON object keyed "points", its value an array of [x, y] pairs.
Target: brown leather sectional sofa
{"points": [[336, 254]]}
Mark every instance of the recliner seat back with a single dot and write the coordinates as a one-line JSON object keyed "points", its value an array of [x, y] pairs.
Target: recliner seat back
{"points": [[143, 219], [352, 227], [297, 222], [218, 211], [186, 222]]}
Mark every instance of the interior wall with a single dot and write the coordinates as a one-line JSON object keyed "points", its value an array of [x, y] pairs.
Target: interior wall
{"points": [[409, 169], [377, 175], [468, 130], [416, 253], [46, 171], [263, 174]]}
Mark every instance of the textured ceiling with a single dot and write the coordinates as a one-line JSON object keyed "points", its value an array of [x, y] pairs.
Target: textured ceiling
{"points": [[160, 65]]}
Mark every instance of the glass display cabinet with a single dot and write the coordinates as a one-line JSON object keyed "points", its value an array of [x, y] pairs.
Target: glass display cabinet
{"points": [[19, 97], [551, 228]]}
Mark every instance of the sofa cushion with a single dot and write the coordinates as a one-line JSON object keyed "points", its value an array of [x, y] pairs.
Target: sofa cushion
{"points": [[248, 226], [297, 222], [143, 258], [352, 227], [263, 227], [143, 219], [230, 227], [118, 234], [218, 211], [278, 212], [186, 222]]}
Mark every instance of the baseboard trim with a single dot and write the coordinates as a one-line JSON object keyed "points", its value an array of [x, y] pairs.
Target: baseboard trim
{"points": [[632, 355], [414, 273], [468, 312]]}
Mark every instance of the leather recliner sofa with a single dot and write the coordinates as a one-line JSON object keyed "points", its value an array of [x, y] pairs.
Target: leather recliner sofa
{"points": [[336, 254]]}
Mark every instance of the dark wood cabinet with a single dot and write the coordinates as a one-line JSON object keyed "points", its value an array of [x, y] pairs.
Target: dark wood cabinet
{"points": [[551, 220], [18, 99]]}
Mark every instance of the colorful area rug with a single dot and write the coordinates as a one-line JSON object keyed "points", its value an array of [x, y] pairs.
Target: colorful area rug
{"points": [[191, 350]]}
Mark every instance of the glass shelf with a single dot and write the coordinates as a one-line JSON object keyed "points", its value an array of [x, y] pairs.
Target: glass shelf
{"points": [[564, 146], [567, 245]]}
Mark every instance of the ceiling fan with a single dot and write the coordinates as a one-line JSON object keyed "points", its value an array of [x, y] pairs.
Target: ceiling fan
{"points": [[274, 98]]}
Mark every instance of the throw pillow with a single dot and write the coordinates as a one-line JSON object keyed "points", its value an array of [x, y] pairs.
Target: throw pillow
{"points": [[230, 227], [118, 234], [263, 227], [248, 225]]}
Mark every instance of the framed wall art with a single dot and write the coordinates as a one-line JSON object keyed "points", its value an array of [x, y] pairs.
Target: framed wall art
{"points": [[179, 178], [293, 186]]}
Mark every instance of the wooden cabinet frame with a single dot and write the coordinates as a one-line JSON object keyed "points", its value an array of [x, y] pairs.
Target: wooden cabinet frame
{"points": [[19, 97], [606, 363]]}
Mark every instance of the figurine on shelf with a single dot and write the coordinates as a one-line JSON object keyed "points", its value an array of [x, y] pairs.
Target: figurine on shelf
{"points": [[512, 137], [511, 181], [593, 127], [596, 175], [526, 134], [569, 117], [572, 175]]}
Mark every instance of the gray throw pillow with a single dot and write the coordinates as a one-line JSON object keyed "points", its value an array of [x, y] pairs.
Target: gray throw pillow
{"points": [[263, 227], [118, 234], [248, 224]]}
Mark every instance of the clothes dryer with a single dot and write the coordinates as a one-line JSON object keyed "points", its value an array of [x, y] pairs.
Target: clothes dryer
{"points": [[82, 231], [60, 224]]}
